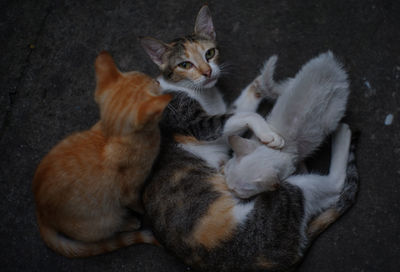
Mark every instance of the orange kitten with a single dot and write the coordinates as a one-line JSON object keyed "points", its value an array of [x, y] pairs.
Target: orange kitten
{"points": [[87, 185]]}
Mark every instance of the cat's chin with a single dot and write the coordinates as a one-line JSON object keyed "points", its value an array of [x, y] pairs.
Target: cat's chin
{"points": [[210, 83]]}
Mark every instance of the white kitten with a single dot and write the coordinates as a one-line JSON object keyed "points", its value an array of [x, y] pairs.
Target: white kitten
{"points": [[309, 108]]}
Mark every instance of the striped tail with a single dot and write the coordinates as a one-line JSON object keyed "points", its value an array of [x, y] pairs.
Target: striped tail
{"points": [[347, 197], [78, 249]]}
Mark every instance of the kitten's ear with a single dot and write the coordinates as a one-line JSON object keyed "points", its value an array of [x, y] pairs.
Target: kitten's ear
{"points": [[154, 48], [204, 25], [106, 71], [151, 110], [242, 146]]}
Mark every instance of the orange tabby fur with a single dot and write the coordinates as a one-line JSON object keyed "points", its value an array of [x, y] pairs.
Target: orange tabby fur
{"points": [[85, 186]]}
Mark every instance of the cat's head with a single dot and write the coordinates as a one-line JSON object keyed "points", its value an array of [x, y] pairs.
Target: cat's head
{"points": [[189, 62], [128, 102], [253, 167]]}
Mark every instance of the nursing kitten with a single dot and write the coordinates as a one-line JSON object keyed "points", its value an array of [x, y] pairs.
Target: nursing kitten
{"points": [[308, 109], [88, 186], [192, 211]]}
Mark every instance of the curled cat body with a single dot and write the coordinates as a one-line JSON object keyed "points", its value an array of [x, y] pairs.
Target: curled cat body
{"points": [[192, 211], [197, 217], [308, 109], [87, 188]]}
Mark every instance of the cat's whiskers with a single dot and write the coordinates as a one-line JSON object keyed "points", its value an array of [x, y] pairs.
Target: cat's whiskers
{"points": [[193, 85], [225, 68]]}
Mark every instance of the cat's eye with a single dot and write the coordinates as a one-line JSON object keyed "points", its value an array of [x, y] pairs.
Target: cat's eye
{"points": [[185, 65], [210, 54]]}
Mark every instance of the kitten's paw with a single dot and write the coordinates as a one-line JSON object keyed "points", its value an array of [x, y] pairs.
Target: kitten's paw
{"points": [[342, 132], [264, 132], [344, 129], [273, 140], [132, 224], [342, 136]]}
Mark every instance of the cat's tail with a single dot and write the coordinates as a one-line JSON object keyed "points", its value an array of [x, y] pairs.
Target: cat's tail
{"points": [[312, 104], [78, 249], [347, 196]]}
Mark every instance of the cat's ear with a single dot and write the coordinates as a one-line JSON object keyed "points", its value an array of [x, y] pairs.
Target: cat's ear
{"points": [[242, 146], [154, 48], [151, 110], [106, 71], [204, 25]]}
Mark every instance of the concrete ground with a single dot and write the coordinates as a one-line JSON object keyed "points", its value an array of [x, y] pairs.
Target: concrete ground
{"points": [[48, 49]]}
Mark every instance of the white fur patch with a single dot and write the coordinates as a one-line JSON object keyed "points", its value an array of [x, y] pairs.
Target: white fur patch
{"points": [[210, 99], [241, 211], [214, 153]]}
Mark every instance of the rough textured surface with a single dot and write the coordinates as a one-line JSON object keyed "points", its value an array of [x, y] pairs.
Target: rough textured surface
{"points": [[48, 50]]}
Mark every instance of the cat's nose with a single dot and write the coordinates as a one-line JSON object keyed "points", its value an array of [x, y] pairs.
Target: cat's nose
{"points": [[207, 73]]}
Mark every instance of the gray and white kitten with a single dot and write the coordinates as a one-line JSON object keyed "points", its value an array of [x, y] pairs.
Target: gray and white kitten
{"points": [[309, 108]]}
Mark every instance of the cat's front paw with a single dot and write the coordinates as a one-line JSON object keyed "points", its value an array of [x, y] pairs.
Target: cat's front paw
{"points": [[272, 140], [131, 224], [263, 131]]}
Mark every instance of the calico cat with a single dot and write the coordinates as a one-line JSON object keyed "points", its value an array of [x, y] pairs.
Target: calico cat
{"points": [[192, 211], [189, 69], [191, 65], [199, 219], [87, 188], [308, 109]]}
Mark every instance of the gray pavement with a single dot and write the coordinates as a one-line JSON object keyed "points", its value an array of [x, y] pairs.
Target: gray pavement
{"points": [[47, 77]]}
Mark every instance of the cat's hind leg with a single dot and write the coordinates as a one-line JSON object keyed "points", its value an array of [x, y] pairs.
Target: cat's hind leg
{"points": [[263, 86], [328, 197], [345, 200], [321, 192]]}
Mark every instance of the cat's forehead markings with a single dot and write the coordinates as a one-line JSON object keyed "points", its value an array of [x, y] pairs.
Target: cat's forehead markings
{"points": [[187, 52], [191, 49], [198, 46], [203, 45], [176, 49]]}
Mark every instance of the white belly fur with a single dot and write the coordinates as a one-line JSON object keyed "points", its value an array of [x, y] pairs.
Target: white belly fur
{"points": [[215, 153]]}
